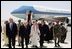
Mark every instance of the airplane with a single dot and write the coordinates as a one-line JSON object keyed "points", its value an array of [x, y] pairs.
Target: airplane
{"points": [[22, 12]]}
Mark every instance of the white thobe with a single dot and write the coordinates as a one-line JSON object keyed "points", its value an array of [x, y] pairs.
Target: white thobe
{"points": [[34, 35]]}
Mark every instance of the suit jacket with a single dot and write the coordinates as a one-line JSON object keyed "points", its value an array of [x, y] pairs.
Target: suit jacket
{"points": [[43, 29], [9, 32], [24, 31]]}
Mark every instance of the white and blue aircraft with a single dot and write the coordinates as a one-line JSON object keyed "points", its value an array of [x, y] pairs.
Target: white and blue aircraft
{"points": [[40, 12]]}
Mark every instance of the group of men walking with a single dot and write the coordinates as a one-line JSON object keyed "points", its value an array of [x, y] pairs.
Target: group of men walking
{"points": [[34, 33]]}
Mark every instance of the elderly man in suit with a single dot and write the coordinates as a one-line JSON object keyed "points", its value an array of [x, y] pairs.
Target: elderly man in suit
{"points": [[11, 31]]}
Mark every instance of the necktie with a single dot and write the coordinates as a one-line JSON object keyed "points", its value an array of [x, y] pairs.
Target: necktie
{"points": [[11, 26]]}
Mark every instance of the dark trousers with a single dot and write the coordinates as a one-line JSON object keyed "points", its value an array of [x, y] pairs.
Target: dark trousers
{"points": [[26, 40], [11, 40], [41, 40]]}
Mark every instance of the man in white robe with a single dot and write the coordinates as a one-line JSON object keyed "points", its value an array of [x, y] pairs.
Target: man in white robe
{"points": [[34, 35]]}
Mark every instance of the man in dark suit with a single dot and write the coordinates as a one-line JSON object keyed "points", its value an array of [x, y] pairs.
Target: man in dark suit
{"points": [[43, 31], [47, 37], [64, 33], [11, 31], [24, 32]]}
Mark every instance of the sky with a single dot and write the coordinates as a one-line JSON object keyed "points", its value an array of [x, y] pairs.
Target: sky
{"points": [[8, 6]]}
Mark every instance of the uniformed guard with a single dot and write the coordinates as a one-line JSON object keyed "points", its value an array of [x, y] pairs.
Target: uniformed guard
{"points": [[57, 33]]}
